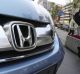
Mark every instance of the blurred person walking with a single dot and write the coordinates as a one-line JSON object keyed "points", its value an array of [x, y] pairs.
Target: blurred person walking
{"points": [[71, 30], [77, 20]]}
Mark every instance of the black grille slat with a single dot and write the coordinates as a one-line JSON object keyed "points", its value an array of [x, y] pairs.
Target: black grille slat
{"points": [[6, 18], [24, 30]]}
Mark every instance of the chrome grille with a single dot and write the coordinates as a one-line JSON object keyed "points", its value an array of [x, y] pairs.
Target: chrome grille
{"points": [[14, 30]]}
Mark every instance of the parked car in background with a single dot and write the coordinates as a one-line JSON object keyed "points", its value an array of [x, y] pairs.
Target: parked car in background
{"points": [[65, 27], [28, 41]]}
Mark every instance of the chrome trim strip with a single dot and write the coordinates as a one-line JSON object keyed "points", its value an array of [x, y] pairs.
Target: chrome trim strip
{"points": [[22, 56], [43, 35], [20, 36], [4, 43]]}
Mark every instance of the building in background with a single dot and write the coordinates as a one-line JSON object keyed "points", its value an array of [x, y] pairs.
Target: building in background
{"points": [[67, 9]]}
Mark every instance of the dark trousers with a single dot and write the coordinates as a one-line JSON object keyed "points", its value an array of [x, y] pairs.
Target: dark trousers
{"points": [[79, 51], [71, 32]]}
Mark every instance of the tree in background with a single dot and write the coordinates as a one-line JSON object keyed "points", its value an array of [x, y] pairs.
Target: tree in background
{"points": [[54, 10]]}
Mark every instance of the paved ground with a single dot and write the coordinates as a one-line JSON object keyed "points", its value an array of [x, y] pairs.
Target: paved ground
{"points": [[71, 63], [62, 34]]}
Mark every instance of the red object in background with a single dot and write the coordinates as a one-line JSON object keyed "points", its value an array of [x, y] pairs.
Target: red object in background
{"points": [[76, 36]]}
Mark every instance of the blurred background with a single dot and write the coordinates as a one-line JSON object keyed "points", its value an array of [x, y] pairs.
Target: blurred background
{"points": [[66, 18]]}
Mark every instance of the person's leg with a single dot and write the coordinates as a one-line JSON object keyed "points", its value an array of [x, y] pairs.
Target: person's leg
{"points": [[78, 30], [72, 32], [79, 51], [69, 32]]}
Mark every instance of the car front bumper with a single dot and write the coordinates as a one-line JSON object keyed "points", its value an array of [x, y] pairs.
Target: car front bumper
{"points": [[39, 63]]}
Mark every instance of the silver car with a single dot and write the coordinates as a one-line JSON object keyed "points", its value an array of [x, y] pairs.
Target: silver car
{"points": [[28, 41]]}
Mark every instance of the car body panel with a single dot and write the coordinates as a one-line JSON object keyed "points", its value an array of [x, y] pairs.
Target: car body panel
{"points": [[23, 9]]}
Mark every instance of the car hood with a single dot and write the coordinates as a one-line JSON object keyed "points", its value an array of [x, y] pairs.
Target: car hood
{"points": [[26, 9]]}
